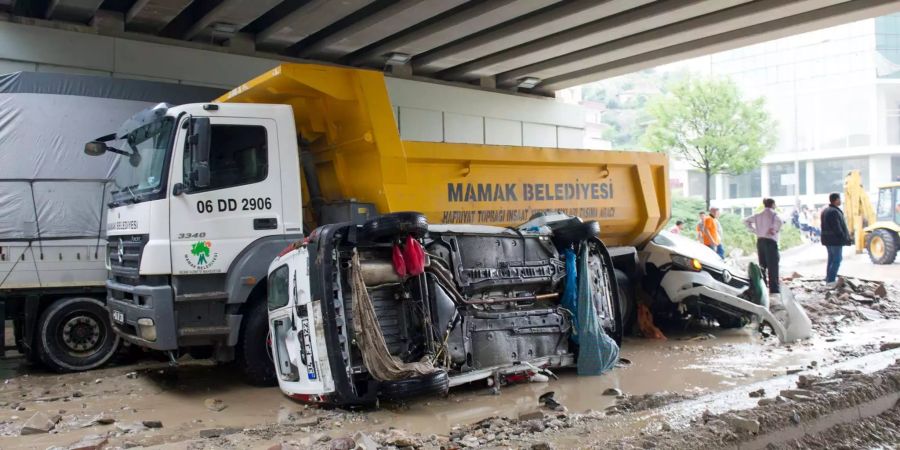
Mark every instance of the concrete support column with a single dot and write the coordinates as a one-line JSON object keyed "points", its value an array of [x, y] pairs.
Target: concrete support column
{"points": [[764, 180], [401, 70], [719, 186], [810, 178], [489, 82], [879, 171]]}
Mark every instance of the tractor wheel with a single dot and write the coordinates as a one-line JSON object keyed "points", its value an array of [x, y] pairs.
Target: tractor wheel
{"points": [[883, 246]]}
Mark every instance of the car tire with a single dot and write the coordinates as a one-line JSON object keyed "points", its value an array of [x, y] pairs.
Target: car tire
{"points": [[75, 334], [437, 383], [731, 322], [882, 246], [252, 355], [627, 303], [390, 226]]}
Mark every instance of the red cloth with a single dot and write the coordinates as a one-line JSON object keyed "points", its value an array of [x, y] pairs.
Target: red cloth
{"points": [[414, 255], [398, 260]]}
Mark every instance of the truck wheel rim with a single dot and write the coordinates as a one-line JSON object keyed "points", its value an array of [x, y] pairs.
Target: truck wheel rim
{"points": [[876, 246], [81, 334]]}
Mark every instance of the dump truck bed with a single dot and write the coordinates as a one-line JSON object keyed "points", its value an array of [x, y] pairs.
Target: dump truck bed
{"points": [[345, 120]]}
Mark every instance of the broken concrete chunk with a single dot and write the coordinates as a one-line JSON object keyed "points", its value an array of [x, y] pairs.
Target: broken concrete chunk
{"points": [[542, 446], [612, 391], [89, 442], [343, 443], [152, 423], [365, 442], [216, 432], [130, 427], [880, 290], [39, 423], [535, 415], [889, 346], [741, 423], [214, 404], [758, 393]]}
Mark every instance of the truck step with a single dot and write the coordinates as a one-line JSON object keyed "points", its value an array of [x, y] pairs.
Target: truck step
{"points": [[203, 331], [202, 296]]}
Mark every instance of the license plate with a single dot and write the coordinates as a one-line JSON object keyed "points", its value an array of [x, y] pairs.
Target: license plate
{"points": [[118, 316]]}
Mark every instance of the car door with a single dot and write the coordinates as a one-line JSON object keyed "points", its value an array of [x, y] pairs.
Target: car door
{"points": [[295, 326], [211, 225]]}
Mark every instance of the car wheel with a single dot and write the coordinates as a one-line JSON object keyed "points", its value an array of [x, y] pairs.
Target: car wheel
{"points": [[437, 383], [252, 355], [389, 226]]}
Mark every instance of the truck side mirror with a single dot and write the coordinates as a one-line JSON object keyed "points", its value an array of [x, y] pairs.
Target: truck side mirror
{"points": [[199, 141], [94, 148]]}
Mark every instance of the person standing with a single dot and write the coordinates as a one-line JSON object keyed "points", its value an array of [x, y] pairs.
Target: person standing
{"points": [[835, 237], [711, 236], [766, 225], [679, 226], [700, 225]]}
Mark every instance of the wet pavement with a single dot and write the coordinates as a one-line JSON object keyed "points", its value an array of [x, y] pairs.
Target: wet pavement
{"points": [[691, 362]]}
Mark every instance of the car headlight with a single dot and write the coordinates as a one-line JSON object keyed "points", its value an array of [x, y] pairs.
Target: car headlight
{"points": [[687, 263]]}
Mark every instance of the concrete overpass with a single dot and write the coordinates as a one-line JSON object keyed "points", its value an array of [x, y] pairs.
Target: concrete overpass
{"points": [[535, 46]]}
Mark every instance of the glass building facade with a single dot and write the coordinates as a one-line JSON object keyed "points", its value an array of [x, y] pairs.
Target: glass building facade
{"points": [[835, 95]]}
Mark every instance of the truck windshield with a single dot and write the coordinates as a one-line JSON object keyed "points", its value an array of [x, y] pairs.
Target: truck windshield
{"points": [[138, 178]]}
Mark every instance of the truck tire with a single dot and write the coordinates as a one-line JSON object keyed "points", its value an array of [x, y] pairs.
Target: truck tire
{"points": [[74, 334], [389, 226], [627, 303], [882, 246], [437, 383], [252, 354]]}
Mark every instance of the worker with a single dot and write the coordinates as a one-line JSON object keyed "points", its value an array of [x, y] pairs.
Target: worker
{"points": [[835, 237], [679, 226], [711, 235], [700, 225], [766, 225]]}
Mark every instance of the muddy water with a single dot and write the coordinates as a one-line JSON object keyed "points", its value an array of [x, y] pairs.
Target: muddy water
{"points": [[680, 364]]}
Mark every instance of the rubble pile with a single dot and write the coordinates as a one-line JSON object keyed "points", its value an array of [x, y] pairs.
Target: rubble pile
{"points": [[852, 301]]}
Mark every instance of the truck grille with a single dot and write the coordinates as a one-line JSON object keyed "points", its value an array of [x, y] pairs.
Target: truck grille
{"points": [[124, 254]]}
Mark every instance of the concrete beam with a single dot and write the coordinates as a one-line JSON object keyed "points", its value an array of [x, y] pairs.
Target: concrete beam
{"points": [[108, 22], [73, 10], [552, 20], [461, 24], [377, 26], [608, 29], [734, 18], [306, 20], [151, 16], [787, 26], [236, 12]]}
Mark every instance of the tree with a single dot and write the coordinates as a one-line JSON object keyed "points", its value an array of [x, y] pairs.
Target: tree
{"points": [[706, 123]]}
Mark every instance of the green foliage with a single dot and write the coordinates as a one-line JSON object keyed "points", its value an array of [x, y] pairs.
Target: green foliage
{"points": [[706, 123]]}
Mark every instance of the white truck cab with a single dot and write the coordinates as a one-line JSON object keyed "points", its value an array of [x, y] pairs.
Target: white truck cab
{"points": [[205, 197]]}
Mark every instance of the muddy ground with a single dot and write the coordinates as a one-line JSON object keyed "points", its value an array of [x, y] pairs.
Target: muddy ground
{"points": [[671, 391]]}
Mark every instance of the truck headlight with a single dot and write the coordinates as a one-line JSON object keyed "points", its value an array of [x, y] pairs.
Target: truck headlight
{"points": [[146, 329], [687, 263]]}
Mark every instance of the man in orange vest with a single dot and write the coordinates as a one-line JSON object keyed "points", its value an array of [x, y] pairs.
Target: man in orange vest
{"points": [[712, 237]]}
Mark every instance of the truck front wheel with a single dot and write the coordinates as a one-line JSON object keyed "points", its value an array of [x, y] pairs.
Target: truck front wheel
{"points": [[75, 335], [252, 354]]}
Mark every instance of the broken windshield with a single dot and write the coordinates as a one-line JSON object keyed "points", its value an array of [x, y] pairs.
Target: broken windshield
{"points": [[138, 177]]}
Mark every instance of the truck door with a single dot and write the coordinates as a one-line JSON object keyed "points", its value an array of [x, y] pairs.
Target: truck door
{"points": [[211, 225], [295, 327]]}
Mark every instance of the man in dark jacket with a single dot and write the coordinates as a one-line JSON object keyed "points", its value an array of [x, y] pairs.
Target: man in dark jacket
{"points": [[835, 237]]}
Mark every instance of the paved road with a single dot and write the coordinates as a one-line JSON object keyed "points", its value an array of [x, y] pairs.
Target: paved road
{"points": [[809, 260]]}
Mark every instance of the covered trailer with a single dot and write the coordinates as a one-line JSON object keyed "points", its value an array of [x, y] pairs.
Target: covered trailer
{"points": [[53, 249]]}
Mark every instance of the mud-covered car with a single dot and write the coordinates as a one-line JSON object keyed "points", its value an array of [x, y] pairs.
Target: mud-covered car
{"points": [[486, 303]]}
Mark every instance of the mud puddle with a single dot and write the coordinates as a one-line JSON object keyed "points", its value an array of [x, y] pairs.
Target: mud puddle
{"points": [[691, 362]]}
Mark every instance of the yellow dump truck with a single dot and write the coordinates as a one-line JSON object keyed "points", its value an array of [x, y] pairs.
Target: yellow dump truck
{"points": [[459, 251]]}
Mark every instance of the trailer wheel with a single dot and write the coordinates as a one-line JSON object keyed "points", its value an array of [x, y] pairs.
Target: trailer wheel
{"points": [[432, 384], [75, 335], [252, 353], [389, 226]]}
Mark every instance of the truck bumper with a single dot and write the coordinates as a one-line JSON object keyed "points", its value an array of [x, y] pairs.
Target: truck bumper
{"points": [[143, 315]]}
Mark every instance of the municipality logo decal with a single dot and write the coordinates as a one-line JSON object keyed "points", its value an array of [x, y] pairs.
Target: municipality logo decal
{"points": [[201, 256]]}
